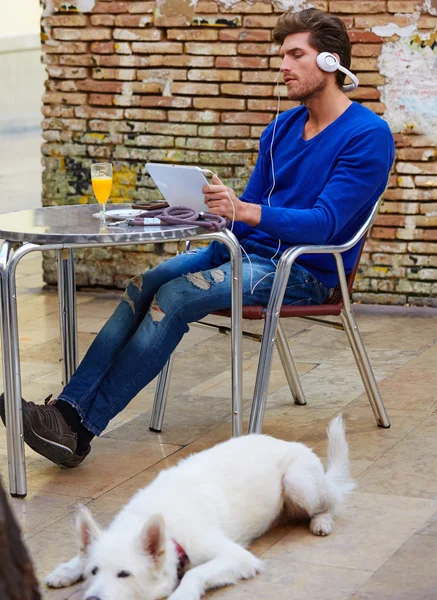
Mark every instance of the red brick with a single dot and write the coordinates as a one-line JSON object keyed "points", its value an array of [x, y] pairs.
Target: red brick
{"points": [[253, 118], [65, 21], [364, 37], [220, 103], [91, 85], [390, 220], [134, 20], [241, 63], [235, 89], [65, 47], [76, 60], [366, 49], [188, 61], [224, 131], [260, 77], [58, 111], [142, 114], [364, 93], [86, 34], [166, 101], [217, 49], [121, 74], [367, 22], [58, 98], [271, 104], [105, 20], [128, 61], [192, 34], [258, 49], [101, 99], [384, 233], [174, 74], [157, 48], [245, 35], [238, 145], [102, 47], [193, 116], [357, 6], [260, 21], [133, 35], [87, 112], [402, 6], [200, 144], [60, 72], [213, 75]]}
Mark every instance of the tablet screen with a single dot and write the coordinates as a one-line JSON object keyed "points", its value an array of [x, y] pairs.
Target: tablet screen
{"points": [[180, 185]]}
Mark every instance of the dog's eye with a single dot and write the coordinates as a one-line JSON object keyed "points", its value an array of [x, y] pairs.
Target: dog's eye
{"points": [[94, 571], [123, 574]]}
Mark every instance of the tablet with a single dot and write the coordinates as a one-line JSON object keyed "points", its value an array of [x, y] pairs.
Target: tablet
{"points": [[180, 185]]}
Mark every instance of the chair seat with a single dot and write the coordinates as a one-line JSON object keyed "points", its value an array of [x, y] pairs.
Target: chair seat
{"points": [[332, 308]]}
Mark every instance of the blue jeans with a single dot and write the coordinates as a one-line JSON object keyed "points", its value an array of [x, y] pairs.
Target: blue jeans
{"points": [[152, 317]]}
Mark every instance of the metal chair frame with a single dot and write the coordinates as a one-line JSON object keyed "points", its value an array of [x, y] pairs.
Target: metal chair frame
{"points": [[273, 334]]}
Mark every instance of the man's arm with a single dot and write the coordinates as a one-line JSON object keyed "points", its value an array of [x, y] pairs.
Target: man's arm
{"points": [[363, 167]]}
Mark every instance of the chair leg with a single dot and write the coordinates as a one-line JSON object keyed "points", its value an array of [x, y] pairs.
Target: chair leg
{"points": [[351, 328], [289, 366], [161, 394]]}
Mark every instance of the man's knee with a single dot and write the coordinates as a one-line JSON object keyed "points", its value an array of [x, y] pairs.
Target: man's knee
{"points": [[175, 296]]}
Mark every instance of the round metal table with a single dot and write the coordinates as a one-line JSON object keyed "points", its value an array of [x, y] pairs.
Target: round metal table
{"points": [[64, 228]]}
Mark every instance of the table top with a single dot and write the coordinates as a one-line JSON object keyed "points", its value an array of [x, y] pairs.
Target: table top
{"points": [[70, 225]]}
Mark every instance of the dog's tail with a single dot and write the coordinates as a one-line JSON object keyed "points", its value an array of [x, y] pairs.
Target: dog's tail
{"points": [[338, 479]]}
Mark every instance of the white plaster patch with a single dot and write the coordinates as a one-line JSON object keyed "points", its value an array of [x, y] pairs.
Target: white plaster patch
{"points": [[429, 8], [393, 29], [164, 79], [83, 6], [410, 92]]}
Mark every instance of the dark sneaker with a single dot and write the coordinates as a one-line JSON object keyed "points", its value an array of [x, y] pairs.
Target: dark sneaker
{"points": [[48, 433]]}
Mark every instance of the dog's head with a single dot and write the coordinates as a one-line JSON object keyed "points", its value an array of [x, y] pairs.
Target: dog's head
{"points": [[129, 564]]}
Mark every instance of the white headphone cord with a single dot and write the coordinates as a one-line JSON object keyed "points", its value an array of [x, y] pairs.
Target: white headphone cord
{"points": [[252, 288]]}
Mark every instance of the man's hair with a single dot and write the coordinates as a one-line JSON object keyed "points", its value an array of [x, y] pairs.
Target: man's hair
{"points": [[327, 34]]}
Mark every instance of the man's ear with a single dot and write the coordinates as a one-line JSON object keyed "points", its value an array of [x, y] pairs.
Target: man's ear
{"points": [[87, 529], [153, 540]]}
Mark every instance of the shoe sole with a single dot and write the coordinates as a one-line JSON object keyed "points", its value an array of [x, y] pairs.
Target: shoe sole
{"points": [[55, 452]]}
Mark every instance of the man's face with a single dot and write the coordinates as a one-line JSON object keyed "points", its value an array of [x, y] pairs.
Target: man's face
{"points": [[299, 69]]}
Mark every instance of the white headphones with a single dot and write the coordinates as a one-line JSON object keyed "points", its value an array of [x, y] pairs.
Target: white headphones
{"points": [[329, 63]]}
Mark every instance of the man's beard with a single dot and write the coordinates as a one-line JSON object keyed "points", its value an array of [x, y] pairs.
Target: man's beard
{"points": [[310, 90]]}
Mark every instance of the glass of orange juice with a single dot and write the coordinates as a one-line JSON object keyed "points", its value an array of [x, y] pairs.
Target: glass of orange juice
{"points": [[101, 178]]}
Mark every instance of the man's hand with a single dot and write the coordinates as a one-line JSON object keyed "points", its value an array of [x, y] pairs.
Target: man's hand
{"points": [[221, 200]]}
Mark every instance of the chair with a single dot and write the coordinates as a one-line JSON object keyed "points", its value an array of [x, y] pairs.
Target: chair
{"points": [[338, 304]]}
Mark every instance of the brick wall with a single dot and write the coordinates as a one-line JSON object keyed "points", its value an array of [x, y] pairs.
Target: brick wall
{"points": [[136, 81]]}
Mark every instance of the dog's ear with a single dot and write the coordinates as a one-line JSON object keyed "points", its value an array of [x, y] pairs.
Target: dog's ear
{"points": [[87, 528], [153, 539]]}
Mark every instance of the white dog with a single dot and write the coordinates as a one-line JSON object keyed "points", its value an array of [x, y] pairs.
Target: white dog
{"points": [[201, 513]]}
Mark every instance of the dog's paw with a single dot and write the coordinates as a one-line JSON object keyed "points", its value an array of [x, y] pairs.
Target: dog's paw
{"points": [[252, 569], [182, 593], [322, 524], [65, 574]]}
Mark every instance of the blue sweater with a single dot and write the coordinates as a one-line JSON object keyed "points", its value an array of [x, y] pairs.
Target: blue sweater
{"points": [[325, 187]]}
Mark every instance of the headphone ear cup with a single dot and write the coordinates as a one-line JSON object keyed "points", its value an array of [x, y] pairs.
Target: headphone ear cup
{"points": [[327, 62]]}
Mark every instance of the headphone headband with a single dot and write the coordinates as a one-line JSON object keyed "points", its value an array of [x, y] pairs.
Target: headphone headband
{"points": [[329, 63]]}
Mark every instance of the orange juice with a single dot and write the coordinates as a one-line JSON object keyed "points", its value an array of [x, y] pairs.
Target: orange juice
{"points": [[102, 188]]}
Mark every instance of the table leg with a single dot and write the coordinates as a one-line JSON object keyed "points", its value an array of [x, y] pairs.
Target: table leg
{"points": [[231, 242], [67, 313], [11, 371]]}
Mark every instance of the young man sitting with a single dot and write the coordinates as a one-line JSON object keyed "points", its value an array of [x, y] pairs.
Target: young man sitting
{"points": [[321, 167]]}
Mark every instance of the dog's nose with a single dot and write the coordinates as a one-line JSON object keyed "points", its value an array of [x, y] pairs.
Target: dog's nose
{"points": [[92, 598]]}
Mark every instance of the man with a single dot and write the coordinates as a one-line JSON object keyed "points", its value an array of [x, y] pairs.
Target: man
{"points": [[320, 169]]}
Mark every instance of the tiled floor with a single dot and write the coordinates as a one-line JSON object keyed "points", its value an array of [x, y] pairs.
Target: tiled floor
{"points": [[384, 545]]}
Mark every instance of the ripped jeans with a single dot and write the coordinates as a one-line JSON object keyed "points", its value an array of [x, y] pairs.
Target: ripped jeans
{"points": [[153, 315]]}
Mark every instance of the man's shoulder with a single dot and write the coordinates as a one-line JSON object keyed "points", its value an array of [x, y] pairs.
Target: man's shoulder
{"points": [[364, 120]]}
